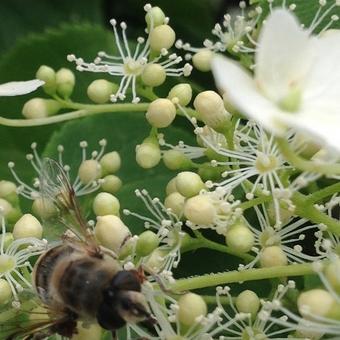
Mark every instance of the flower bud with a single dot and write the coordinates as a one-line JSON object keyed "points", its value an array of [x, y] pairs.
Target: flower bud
{"points": [[189, 183], [182, 92], [161, 113], [240, 238], [332, 273], [43, 208], [148, 155], [175, 202], [154, 17], [93, 332], [175, 160], [202, 60], [8, 239], [5, 207], [100, 90], [211, 109], [105, 204], [27, 226], [89, 171], [162, 36], [111, 184], [5, 292], [317, 303], [48, 75], [273, 256], [200, 210], [40, 108], [147, 242], [191, 306], [248, 302], [110, 162], [65, 80], [153, 75], [171, 187], [8, 191], [111, 232]]}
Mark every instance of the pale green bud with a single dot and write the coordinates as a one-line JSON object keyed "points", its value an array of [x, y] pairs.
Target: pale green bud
{"points": [[111, 184], [248, 302], [110, 162], [111, 232], [27, 226], [8, 191], [273, 256], [147, 242], [89, 171], [5, 292], [65, 80], [175, 159], [162, 36], [171, 186], [318, 302], [100, 90], [40, 108], [189, 183], [105, 204], [148, 155], [5, 207], [191, 306], [199, 210], [161, 113], [153, 75], [240, 238], [43, 208], [210, 106], [48, 75], [8, 239], [175, 202], [39, 314], [154, 17], [332, 273], [183, 92], [202, 60], [93, 332]]}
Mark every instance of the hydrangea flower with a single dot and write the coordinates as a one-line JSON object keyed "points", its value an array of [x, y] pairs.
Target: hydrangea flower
{"points": [[296, 79]]}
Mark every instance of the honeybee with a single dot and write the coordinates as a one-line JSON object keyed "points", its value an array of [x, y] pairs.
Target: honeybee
{"points": [[78, 280]]}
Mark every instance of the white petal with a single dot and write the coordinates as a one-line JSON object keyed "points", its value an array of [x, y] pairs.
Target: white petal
{"points": [[284, 54], [322, 128], [15, 88], [322, 87], [242, 92]]}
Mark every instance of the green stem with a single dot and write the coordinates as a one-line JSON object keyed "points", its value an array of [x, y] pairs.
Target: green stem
{"points": [[89, 110], [307, 210], [211, 280], [305, 165], [255, 201], [323, 193]]}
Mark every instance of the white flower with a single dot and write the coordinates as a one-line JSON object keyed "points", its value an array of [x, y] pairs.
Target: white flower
{"points": [[14, 264], [80, 187], [296, 81], [17, 88]]}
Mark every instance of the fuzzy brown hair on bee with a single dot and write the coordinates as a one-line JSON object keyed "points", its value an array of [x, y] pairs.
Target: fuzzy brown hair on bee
{"points": [[77, 280]]}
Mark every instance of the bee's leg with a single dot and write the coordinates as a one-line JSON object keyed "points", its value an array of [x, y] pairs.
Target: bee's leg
{"points": [[114, 335]]}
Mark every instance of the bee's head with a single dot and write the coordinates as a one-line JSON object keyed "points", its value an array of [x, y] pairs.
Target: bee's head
{"points": [[122, 301]]}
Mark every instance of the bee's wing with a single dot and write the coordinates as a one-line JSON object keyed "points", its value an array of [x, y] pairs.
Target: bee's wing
{"points": [[56, 190]]}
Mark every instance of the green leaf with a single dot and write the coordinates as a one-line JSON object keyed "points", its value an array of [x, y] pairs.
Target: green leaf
{"points": [[18, 18]]}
